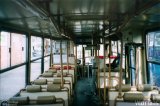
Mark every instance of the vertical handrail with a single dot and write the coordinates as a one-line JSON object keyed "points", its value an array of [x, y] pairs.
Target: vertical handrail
{"points": [[83, 57], [104, 69], [51, 55], [61, 62], [109, 74], [120, 72], [67, 56], [137, 66], [28, 59], [88, 70], [98, 75], [117, 47], [140, 66], [76, 61]]}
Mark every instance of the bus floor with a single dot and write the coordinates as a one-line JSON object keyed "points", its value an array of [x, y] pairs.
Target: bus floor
{"points": [[85, 93]]}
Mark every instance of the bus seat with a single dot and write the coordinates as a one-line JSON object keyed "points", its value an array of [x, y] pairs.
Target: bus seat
{"points": [[65, 67], [50, 91], [46, 99], [132, 97], [19, 100], [41, 100], [155, 98], [33, 88], [53, 87], [147, 90], [51, 70], [47, 74], [64, 74], [40, 82], [145, 87], [58, 81], [125, 88]]}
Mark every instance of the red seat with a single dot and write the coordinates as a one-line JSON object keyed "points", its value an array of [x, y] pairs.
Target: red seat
{"points": [[65, 67]]}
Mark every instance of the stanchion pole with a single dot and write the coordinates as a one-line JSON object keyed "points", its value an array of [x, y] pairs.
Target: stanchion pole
{"points": [[75, 62], [98, 75], [61, 62], [120, 72], [104, 69], [67, 56], [109, 76]]}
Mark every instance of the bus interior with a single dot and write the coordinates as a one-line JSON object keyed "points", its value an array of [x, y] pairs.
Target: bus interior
{"points": [[80, 52]]}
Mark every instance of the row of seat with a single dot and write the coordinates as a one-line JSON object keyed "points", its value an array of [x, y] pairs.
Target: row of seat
{"points": [[47, 89], [130, 94]]}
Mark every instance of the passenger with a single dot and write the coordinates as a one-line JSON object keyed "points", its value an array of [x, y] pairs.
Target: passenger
{"points": [[115, 62]]}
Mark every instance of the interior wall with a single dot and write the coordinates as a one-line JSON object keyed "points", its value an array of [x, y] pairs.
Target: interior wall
{"points": [[132, 36]]}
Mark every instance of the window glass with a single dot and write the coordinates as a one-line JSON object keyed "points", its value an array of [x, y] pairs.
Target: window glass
{"points": [[154, 74], [46, 63], [18, 48], [11, 82], [35, 69], [36, 47], [153, 54], [79, 52], [153, 46], [88, 56], [101, 50], [47, 46], [4, 50], [71, 53], [56, 52]]}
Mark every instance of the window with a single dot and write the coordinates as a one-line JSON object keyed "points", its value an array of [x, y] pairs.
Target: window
{"points": [[154, 74], [56, 52], [88, 56], [153, 56], [4, 50], [79, 52], [12, 49], [46, 63], [11, 82], [153, 46], [18, 48], [35, 69], [47, 46], [36, 47]]}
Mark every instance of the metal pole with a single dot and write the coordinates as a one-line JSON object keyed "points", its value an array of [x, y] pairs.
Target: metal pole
{"points": [[51, 55], [137, 65], [104, 69], [83, 54], [61, 62], [120, 77], [98, 75], [28, 59], [117, 47], [109, 76], [76, 62], [42, 60], [67, 56], [140, 66]]}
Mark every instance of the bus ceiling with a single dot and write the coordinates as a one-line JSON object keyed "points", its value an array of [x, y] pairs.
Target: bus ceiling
{"points": [[79, 19]]}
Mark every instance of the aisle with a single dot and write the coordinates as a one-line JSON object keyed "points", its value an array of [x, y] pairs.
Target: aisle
{"points": [[85, 93]]}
